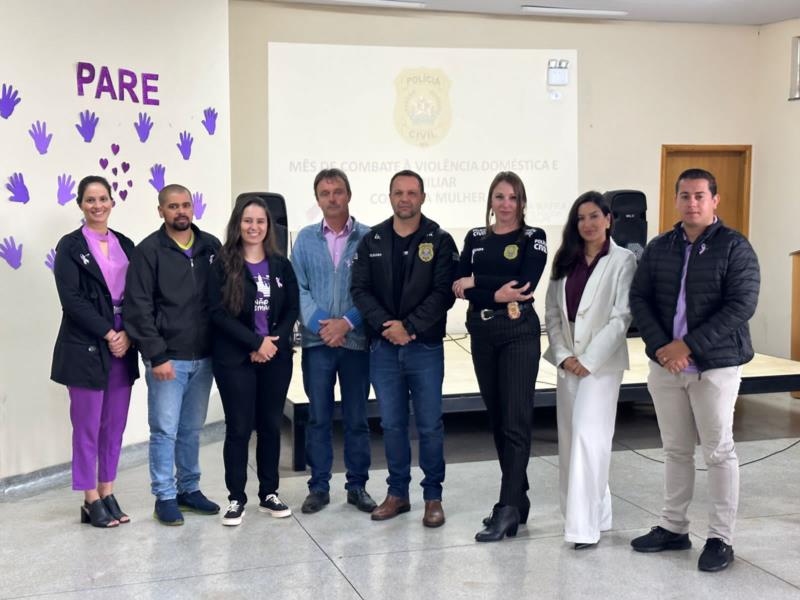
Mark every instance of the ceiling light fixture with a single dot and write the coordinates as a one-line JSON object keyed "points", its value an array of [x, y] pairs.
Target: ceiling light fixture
{"points": [[558, 11], [381, 3]]}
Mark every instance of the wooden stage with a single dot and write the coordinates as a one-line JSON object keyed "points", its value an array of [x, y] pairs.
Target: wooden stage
{"points": [[764, 374]]}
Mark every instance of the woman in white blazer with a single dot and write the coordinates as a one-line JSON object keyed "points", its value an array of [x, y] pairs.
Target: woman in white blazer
{"points": [[587, 317]]}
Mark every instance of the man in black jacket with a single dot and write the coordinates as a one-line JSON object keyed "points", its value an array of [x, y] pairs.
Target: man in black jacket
{"points": [[694, 291], [166, 314], [401, 283]]}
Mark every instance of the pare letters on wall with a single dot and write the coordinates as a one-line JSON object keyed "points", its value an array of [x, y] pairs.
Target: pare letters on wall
{"points": [[127, 81]]}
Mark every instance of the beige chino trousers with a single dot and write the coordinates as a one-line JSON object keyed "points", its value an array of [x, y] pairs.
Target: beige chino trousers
{"points": [[688, 406]]}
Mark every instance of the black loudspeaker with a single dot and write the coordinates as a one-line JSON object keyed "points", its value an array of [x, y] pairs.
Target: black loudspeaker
{"points": [[629, 227], [277, 210]]}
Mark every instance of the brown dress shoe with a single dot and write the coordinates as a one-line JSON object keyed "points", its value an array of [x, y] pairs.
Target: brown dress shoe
{"points": [[390, 508], [434, 514]]}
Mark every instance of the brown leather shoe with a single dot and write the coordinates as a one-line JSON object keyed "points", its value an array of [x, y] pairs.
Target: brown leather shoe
{"points": [[390, 508], [434, 514]]}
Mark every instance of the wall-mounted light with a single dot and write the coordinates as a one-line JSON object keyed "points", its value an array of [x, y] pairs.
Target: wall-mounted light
{"points": [[381, 3], [794, 79], [557, 71], [557, 11]]}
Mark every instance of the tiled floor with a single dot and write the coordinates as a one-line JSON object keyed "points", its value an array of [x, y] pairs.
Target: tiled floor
{"points": [[341, 553]]}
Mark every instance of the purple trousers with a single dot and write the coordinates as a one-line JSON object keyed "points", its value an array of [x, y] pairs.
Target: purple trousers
{"points": [[98, 421]]}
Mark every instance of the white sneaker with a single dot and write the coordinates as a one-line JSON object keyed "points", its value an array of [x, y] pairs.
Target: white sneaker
{"points": [[233, 514], [273, 505]]}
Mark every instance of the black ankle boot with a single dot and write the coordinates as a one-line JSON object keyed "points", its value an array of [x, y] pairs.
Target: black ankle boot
{"points": [[97, 514], [488, 520], [504, 523]]}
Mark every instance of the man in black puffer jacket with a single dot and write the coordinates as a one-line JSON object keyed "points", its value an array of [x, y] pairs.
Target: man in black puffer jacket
{"points": [[695, 289]]}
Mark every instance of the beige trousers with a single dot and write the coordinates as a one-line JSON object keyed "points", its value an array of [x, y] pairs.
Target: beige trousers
{"points": [[688, 406]]}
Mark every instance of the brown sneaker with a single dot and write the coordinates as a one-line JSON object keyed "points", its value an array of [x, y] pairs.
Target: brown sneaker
{"points": [[390, 508], [434, 514]]}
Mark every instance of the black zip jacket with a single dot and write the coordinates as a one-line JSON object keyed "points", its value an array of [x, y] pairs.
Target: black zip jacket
{"points": [[81, 357], [427, 289], [722, 284], [234, 338], [166, 298]]}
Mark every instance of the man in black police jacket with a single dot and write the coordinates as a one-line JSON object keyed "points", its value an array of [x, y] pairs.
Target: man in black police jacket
{"points": [[401, 283], [694, 291]]}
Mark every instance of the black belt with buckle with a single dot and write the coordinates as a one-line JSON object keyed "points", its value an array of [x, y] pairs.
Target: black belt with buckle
{"points": [[487, 314]]}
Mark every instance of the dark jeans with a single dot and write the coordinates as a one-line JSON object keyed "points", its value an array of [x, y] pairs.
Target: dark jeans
{"points": [[321, 365], [253, 395], [505, 354], [414, 371]]}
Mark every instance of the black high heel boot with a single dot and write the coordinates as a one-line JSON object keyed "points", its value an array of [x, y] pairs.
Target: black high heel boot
{"points": [[504, 523], [112, 506], [97, 514]]}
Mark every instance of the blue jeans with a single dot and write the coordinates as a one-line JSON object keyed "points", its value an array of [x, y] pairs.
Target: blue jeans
{"points": [[414, 371], [176, 412], [321, 364]]}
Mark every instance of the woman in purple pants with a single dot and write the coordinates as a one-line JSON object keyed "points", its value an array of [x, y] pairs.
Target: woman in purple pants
{"points": [[93, 356]]}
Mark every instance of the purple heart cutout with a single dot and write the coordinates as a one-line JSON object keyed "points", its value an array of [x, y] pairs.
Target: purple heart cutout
{"points": [[115, 185], [123, 194], [115, 149], [114, 170], [103, 163], [130, 183], [125, 167]]}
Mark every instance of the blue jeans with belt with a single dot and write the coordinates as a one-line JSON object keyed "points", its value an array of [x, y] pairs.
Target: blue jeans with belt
{"points": [[412, 372], [321, 365]]}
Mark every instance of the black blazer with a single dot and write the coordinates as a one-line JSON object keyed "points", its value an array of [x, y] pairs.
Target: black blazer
{"points": [[234, 338], [81, 357]]}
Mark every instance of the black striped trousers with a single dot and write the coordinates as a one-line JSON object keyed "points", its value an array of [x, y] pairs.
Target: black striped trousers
{"points": [[505, 354]]}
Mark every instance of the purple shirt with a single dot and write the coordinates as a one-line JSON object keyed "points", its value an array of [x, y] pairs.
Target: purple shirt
{"points": [[336, 241], [679, 326], [577, 280], [114, 266], [260, 273]]}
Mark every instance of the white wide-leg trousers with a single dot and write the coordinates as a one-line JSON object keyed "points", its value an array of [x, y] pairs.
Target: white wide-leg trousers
{"points": [[586, 408]]}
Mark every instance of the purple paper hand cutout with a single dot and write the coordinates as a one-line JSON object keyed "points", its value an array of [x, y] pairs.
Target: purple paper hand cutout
{"points": [[50, 261], [157, 171], [11, 253], [143, 127], [210, 122], [41, 139], [185, 144], [66, 186], [87, 125], [199, 207], [16, 185], [9, 98]]}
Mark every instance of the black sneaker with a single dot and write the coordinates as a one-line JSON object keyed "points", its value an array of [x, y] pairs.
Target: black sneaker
{"points": [[315, 502], [361, 499], [197, 502], [661, 539], [716, 555], [273, 505], [167, 512], [233, 514]]}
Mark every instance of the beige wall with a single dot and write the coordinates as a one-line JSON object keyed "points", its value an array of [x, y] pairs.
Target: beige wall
{"points": [[641, 85], [775, 211]]}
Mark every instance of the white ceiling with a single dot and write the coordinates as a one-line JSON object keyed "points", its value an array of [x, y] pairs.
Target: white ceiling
{"points": [[734, 12]]}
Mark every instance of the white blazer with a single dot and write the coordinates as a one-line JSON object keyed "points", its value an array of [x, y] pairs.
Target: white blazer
{"points": [[603, 316]]}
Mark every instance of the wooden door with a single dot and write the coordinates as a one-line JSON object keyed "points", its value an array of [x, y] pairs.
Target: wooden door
{"points": [[731, 167]]}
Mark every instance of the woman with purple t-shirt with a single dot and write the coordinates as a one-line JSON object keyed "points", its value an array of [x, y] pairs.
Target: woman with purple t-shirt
{"points": [[254, 303], [93, 356]]}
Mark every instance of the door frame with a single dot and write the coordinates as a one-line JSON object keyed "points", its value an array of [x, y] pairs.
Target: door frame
{"points": [[743, 149]]}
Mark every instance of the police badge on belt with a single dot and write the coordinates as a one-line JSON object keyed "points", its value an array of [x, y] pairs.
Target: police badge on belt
{"points": [[513, 310]]}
